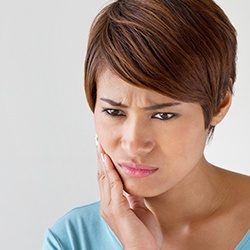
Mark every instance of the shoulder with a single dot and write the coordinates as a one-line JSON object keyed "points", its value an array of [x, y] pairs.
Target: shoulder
{"points": [[229, 223], [79, 229], [83, 214], [242, 196], [240, 189], [238, 201], [245, 242], [238, 192], [237, 184], [79, 217]]}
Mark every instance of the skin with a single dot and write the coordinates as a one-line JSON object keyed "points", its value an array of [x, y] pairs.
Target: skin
{"points": [[186, 203]]}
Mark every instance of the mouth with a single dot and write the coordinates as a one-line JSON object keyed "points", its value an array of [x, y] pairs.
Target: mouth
{"points": [[137, 170]]}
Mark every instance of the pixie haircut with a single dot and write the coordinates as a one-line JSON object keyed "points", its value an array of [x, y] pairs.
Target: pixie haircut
{"points": [[184, 49]]}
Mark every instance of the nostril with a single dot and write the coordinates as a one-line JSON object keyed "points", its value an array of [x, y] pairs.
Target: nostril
{"points": [[138, 147], [137, 137]]}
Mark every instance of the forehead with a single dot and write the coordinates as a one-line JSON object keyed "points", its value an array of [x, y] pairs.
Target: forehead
{"points": [[122, 94], [110, 85]]}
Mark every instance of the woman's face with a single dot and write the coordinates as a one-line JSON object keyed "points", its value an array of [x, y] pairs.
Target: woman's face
{"points": [[154, 141]]}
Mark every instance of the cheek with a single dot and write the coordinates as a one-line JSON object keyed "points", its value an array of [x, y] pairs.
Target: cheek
{"points": [[107, 135], [187, 140]]}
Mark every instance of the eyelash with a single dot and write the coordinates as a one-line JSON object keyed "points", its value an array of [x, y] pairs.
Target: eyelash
{"points": [[113, 112], [168, 116], [164, 116]]}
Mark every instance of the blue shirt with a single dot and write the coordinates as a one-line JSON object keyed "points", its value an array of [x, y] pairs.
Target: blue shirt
{"points": [[84, 229], [244, 243], [81, 229]]}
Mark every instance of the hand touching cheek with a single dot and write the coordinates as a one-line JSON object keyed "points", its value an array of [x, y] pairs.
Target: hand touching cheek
{"points": [[127, 215]]}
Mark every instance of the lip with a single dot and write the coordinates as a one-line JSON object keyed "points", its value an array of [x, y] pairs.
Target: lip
{"points": [[137, 170]]}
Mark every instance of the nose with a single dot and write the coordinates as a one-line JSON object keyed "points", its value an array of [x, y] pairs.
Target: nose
{"points": [[137, 138]]}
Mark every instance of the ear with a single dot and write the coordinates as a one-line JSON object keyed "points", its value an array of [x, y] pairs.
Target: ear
{"points": [[222, 110]]}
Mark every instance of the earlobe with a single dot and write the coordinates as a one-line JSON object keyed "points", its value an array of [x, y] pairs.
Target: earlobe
{"points": [[222, 110]]}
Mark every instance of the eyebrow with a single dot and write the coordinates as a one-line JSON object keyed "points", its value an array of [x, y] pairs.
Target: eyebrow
{"points": [[153, 107]]}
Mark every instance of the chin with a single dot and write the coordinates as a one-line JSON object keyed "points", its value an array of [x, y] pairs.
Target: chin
{"points": [[139, 190]]}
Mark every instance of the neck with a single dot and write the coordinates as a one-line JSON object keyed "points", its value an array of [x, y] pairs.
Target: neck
{"points": [[195, 198]]}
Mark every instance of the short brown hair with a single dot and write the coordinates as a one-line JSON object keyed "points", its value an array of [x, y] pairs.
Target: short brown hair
{"points": [[185, 49]]}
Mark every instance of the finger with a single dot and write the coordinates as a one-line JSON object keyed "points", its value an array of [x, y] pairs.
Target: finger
{"points": [[115, 182], [145, 215], [110, 183], [107, 174], [100, 152], [102, 177], [135, 201]]}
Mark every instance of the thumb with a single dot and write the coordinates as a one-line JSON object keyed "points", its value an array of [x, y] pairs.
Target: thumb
{"points": [[140, 209]]}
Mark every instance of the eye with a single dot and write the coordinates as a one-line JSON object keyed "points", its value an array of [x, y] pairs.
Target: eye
{"points": [[164, 116], [113, 112]]}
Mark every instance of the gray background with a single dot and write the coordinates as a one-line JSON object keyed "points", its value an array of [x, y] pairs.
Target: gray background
{"points": [[47, 148]]}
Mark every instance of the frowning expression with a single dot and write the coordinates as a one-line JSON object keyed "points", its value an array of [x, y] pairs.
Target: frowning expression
{"points": [[154, 141]]}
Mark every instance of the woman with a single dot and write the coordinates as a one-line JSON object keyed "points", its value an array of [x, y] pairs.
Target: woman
{"points": [[159, 77]]}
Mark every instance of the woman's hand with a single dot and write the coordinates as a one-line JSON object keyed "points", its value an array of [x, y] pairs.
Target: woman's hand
{"points": [[127, 215]]}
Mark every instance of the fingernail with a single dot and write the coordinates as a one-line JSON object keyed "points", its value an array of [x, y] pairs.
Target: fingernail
{"points": [[103, 157], [96, 140]]}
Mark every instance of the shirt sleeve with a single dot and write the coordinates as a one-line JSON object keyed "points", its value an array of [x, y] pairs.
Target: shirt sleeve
{"points": [[51, 242]]}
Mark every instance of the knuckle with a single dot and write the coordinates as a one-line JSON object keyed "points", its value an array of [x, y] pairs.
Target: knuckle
{"points": [[113, 183], [101, 176]]}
